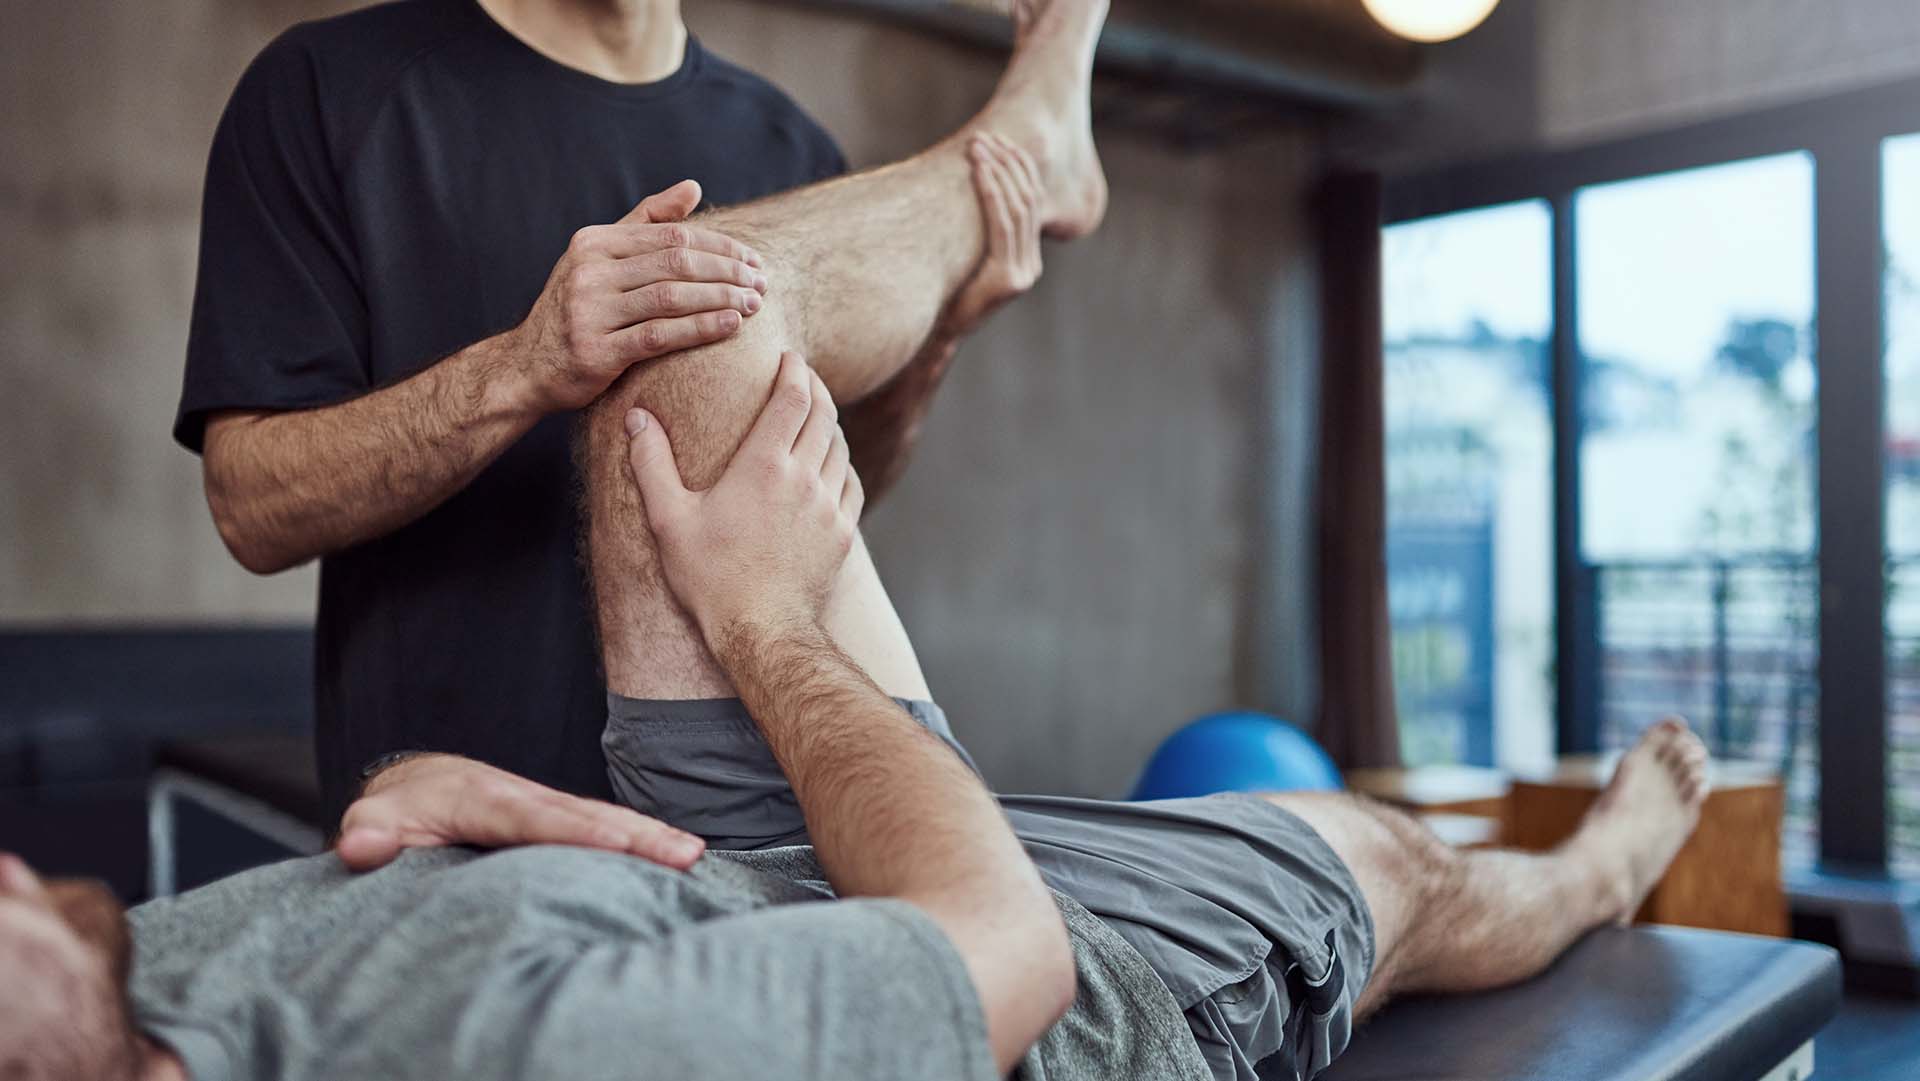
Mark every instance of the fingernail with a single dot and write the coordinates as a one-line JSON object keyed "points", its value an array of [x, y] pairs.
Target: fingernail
{"points": [[752, 302], [753, 258], [760, 282], [636, 420], [688, 847]]}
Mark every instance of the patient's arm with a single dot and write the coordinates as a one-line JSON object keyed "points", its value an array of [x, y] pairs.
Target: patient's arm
{"points": [[892, 811]]}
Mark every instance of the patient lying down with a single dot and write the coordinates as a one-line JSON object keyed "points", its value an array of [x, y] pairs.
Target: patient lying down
{"points": [[947, 959], [916, 938]]}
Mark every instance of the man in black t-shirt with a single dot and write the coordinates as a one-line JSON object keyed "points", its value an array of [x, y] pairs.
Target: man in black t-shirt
{"points": [[428, 239]]}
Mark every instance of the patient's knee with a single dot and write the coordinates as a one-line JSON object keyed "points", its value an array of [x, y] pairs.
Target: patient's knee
{"points": [[704, 398]]}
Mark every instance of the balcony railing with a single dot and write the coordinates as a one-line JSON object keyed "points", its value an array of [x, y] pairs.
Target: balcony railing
{"points": [[1732, 645]]}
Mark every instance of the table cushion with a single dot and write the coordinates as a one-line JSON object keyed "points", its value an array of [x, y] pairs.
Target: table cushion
{"points": [[276, 770], [1635, 1004]]}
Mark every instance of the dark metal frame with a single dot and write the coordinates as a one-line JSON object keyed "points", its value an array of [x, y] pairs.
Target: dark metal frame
{"points": [[1843, 133]]}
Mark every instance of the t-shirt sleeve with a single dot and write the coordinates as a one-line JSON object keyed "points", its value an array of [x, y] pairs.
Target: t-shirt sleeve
{"points": [[279, 319], [812, 992], [828, 160]]}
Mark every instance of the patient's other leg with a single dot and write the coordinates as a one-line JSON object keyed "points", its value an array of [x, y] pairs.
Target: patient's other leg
{"points": [[1447, 920], [860, 269]]}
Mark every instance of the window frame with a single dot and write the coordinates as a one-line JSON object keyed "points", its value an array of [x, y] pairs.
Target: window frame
{"points": [[1844, 134]]}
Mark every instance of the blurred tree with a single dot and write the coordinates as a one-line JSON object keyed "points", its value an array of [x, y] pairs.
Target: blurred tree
{"points": [[1759, 348]]}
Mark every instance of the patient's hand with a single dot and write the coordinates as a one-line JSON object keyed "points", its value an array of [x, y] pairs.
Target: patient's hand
{"points": [[443, 799], [1008, 184], [763, 545]]}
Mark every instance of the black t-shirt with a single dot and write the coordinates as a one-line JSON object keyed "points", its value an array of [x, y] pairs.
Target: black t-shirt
{"points": [[385, 188]]}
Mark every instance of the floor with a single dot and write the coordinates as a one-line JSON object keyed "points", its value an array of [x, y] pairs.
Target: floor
{"points": [[1872, 1039]]}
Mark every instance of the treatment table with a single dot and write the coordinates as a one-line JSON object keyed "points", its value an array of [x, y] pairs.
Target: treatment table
{"points": [[1626, 1004], [1635, 1004]]}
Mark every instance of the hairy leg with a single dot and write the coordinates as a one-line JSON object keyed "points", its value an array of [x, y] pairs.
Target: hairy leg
{"points": [[860, 269], [1447, 920]]}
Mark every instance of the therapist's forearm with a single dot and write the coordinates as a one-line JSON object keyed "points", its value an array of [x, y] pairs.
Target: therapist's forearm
{"points": [[287, 487]]}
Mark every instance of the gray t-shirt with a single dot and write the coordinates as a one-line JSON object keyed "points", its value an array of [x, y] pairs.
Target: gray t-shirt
{"points": [[561, 962]]}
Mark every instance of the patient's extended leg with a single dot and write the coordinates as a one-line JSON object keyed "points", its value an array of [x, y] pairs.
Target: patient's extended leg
{"points": [[1447, 920], [860, 269]]}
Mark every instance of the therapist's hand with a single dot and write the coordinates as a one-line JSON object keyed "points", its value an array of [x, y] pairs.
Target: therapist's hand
{"points": [[630, 291], [442, 799]]}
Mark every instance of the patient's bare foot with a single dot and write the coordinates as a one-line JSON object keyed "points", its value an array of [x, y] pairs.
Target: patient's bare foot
{"points": [[1042, 105], [1646, 813]]}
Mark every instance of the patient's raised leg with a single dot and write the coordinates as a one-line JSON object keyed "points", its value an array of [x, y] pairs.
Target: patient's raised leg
{"points": [[1447, 920], [860, 269]]}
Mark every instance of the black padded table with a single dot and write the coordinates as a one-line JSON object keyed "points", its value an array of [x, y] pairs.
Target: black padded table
{"points": [[264, 783], [1636, 1004]]}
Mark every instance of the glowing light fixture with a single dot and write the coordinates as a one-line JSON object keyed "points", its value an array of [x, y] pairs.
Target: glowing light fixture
{"points": [[1429, 20]]}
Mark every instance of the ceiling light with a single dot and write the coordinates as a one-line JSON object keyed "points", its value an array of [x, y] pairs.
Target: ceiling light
{"points": [[1429, 20]]}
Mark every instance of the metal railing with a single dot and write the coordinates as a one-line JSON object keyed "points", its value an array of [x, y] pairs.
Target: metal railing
{"points": [[1732, 645]]}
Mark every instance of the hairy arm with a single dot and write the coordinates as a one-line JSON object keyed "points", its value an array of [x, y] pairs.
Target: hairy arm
{"points": [[285, 487], [892, 811]]}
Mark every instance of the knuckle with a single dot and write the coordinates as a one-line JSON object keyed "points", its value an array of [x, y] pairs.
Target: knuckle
{"points": [[494, 790], [581, 240], [579, 307], [669, 297], [793, 397], [359, 813], [653, 337]]}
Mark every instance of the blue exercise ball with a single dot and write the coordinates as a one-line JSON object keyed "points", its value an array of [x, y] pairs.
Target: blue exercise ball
{"points": [[1236, 752]]}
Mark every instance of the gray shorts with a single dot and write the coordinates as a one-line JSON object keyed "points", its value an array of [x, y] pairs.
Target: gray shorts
{"points": [[1255, 926]]}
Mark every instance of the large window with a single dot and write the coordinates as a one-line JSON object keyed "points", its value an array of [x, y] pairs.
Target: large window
{"points": [[1708, 340], [1900, 170], [1697, 458], [1468, 308]]}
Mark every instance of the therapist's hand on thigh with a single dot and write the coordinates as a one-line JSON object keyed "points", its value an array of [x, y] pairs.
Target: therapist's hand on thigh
{"points": [[443, 799]]}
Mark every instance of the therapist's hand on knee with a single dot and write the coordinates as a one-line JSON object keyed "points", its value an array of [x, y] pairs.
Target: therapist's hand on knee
{"points": [[760, 548], [442, 799], [630, 291]]}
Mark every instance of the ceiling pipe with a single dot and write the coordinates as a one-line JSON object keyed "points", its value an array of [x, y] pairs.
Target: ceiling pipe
{"points": [[1329, 61]]}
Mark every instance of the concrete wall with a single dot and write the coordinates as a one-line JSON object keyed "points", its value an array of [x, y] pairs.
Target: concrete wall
{"points": [[1075, 549], [106, 110], [1631, 65]]}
